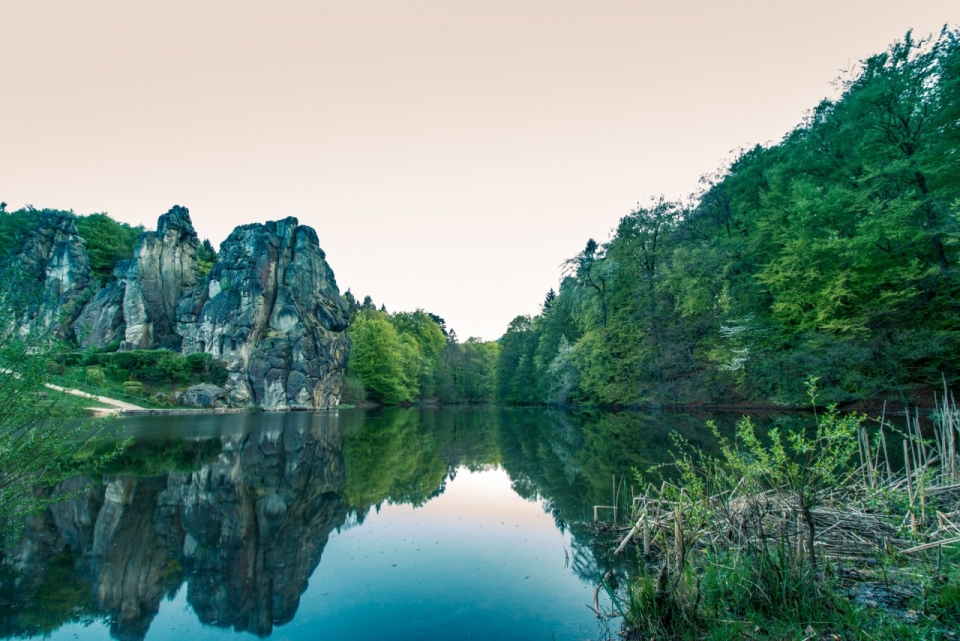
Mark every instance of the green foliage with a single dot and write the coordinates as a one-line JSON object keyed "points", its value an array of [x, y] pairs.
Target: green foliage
{"points": [[39, 434], [16, 227], [133, 388], [205, 368], [206, 257], [761, 577], [409, 356], [377, 358], [108, 242], [160, 367], [805, 466], [95, 376], [835, 252]]}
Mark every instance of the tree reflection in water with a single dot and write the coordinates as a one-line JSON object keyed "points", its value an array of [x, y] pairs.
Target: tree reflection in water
{"points": [[243, 519]]}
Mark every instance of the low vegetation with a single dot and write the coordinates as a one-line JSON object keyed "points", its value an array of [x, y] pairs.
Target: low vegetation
{"points": [[817, 534], [40, 434], [150, 377]]}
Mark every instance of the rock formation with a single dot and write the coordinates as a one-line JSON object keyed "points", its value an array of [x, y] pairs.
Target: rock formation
{"points": [[164, 266], [244, 533], [55, 255], [139, 308], [203, 395], [271, 310], [101, 322]]}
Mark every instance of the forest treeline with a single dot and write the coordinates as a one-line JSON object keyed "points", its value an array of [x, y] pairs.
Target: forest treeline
{"points": [[411, 357], [832, 253]]}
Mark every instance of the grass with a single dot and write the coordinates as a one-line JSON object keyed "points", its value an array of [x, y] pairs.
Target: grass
{"points": [[73, 377], [807, 536]]}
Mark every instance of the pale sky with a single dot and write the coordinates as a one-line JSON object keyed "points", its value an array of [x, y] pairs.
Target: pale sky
{"points": [[450, 154]]}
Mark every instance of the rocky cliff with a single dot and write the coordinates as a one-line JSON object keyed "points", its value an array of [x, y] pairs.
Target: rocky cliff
{"points": [[163, 268], [270, 309], [54, 254], [101, 322], [244, 533]]}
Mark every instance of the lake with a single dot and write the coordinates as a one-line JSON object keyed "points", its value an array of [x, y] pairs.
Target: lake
{"points": [[445, 523]]}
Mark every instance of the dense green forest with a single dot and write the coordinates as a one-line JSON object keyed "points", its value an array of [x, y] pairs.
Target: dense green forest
{"points": [[409, 357], [833, 253]]}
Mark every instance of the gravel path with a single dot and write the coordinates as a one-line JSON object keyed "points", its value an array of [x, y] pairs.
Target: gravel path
{"points": [[120, 405]]}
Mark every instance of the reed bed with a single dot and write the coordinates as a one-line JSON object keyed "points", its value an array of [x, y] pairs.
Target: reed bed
{"points": [[802, 537]]}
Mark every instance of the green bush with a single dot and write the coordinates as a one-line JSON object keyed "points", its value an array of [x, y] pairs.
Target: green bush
{"points": [[133, 388], [353, 391], [108, 241], [55, 368], [160, 367], [206, 368], [95, 376]]}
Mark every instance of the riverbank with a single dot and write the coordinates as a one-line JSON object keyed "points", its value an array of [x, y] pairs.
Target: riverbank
{"points": [[821, 536]]}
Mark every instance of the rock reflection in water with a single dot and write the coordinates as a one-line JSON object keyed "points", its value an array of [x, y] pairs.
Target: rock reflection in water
{"points": [[244, 532], [242, 519]]}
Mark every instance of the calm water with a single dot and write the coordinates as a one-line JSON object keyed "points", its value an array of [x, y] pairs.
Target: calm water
{"points": [[397, 524]]}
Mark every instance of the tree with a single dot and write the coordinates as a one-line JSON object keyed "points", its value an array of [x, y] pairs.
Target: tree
{"points": [[41, 440], [108, 242], [378, 357], [593, 272], [206, 257]]}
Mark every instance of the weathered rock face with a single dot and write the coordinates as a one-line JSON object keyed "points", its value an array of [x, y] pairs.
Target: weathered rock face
{"points": [[56, 256], [271, 310], [163, 267], [203, 395], [101, 322], [245, 533]]}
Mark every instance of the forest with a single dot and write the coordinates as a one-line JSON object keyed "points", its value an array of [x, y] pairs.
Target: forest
{"points": [[832, 253], [411, 357]]}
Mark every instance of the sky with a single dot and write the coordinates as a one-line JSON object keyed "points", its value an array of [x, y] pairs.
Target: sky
{"points": [[450, 154]]}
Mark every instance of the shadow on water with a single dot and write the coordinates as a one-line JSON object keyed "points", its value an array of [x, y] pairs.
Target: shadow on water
{"points": [[237, 509]]}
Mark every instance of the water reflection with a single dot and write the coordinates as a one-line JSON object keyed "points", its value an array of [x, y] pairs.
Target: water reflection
{"points": [[239, 508]]}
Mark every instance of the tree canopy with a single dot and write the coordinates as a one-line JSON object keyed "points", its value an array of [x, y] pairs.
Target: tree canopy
{"points": [[832, 253]]}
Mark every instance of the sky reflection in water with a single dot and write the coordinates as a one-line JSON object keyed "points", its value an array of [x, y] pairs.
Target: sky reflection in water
{"points": [[442, 524]]}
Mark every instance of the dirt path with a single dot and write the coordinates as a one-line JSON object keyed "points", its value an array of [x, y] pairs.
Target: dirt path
{"points": [[112, 402]]}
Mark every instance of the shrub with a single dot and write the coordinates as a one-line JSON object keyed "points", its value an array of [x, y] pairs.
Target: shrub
{"points": [[95, 376], [55, 368], [353, 391], [121, 374], [206, 368], [133, 388]]}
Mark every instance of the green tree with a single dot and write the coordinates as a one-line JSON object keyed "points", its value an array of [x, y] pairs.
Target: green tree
{"points": [[377, 357], [108, 242], [206, 257], [41, 440]]}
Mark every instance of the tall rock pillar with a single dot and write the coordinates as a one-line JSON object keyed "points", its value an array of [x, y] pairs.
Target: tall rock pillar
{"points": [[163, 268], [271, 310]]}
